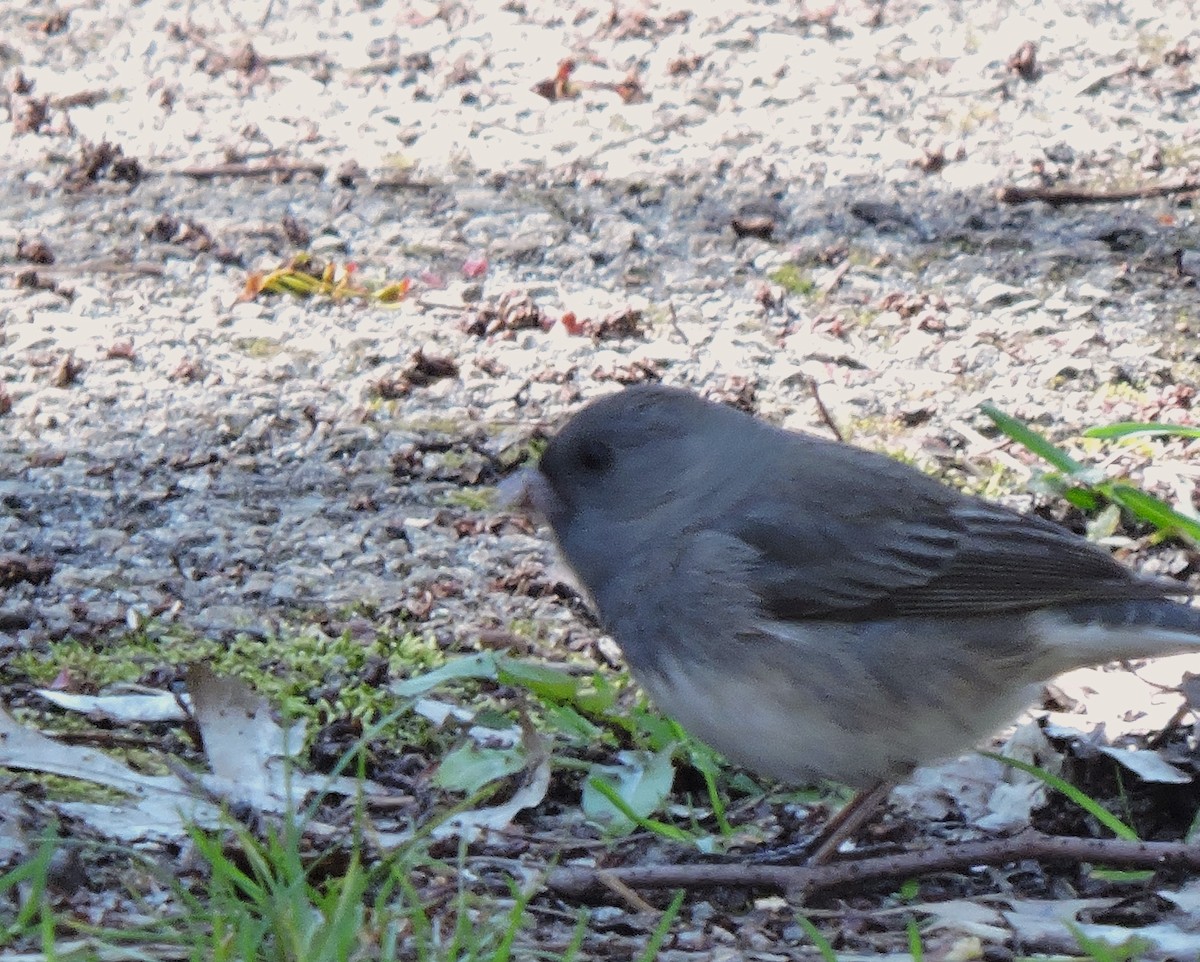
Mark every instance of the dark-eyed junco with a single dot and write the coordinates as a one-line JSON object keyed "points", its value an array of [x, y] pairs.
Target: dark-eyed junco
{"points": [[816, 611]]}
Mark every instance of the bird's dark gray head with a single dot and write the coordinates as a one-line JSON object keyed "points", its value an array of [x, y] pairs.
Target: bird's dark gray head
{"points": [[630, 453]]}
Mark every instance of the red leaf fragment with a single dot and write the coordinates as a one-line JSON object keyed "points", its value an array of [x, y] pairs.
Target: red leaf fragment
{"points": [[560, 86]]}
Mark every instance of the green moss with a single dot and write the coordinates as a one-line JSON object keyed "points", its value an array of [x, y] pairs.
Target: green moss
{"points": [[793, 280], [998, 482], [376, 405], [59, 788], [862, 317], [979, 116], [304, 673], [85, 662], [523, 628], [528, 453], [1123, 391], [1175, 156], [861, 256], [872, 432], [432, 424], [258, 347], [655, 316], [473, 499]]}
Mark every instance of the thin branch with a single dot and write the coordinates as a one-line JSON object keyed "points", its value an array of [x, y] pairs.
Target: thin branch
{"points": [[822, 410], [834, 278], [799, 881], [269, 169], [1061, 196]]}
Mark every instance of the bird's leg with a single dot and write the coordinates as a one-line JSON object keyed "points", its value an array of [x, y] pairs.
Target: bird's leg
{"points": [[850, 818], [817, 849]]}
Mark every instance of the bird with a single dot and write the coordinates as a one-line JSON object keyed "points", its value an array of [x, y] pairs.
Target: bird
{"points": [[819, 612]]}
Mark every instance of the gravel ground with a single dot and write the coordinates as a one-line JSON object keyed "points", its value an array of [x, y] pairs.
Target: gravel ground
{"points": [[167, 449], [768, 202]]}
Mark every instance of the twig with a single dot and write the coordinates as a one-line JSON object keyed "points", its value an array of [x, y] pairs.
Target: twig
{"points": [[83, 98], [100, 265], [624, 892], [107, 739], [852, 816], [674, 317], [799, 881], [269, 169], [1061, 196], [823, 410], [834, 278]]}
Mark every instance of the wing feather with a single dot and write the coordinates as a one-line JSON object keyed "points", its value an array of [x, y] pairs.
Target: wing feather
{"points": [[889, 542]]}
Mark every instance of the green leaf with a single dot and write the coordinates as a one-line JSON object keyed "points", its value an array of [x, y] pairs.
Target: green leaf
{"points": [[545, 681], [1029, 438], [482, 665], [492, 718], [1125, 429], [598, 697], [653, 730], [468, 768], [1121, 876], [1104, 524], [705, 761], [622, 796], [566, 720], [1082, 498], [792, 279], [1133, 948]]}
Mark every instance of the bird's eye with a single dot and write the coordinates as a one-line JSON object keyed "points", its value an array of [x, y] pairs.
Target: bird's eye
{"points": [[596, 455]]}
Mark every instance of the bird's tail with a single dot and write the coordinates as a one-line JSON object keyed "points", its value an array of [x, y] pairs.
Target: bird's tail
{"points": [[1096, 632]]}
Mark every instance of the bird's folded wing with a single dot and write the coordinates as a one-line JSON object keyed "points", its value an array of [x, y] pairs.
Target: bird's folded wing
{"points": [[873, 552]]}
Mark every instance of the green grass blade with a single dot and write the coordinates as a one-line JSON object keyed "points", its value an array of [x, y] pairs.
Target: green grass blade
{"points": [[1120, 876], [516, 918], [571, 953], [1152, 510], [817, 939], [32, 875], [704, 760], [664, 926], [1126, 429], [1142, 506], [1084, 801], [916, 947], [1029, 438], [622, 806]]}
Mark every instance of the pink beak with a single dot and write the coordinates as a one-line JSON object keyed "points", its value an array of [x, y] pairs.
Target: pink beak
{"points": [[527, 490]]}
